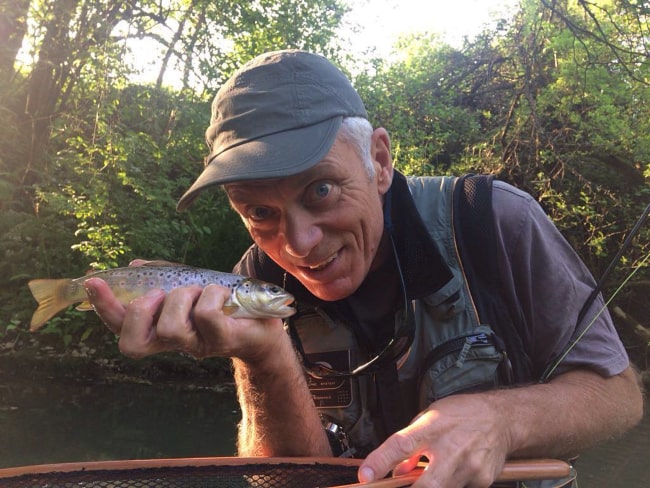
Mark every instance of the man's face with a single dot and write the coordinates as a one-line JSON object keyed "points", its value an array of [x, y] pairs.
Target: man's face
{"points": [[323, 226]]}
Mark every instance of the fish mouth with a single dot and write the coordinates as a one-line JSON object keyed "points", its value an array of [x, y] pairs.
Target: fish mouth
{"points": [[286, 311], [282, 306], [284, 301]]}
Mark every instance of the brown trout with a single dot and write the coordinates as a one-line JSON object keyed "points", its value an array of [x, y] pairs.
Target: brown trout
{"points": [[250, 298]]}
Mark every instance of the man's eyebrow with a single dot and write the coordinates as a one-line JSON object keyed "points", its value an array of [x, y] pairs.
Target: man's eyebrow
{"points": [[236, 194], [248, 186], [242, 189]]}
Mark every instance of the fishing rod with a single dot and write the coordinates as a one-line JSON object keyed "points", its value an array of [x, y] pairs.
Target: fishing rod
{"points": [[577, 335]]}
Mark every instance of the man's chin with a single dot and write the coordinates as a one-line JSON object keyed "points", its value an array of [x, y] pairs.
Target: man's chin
{"points": [[330, 292]]}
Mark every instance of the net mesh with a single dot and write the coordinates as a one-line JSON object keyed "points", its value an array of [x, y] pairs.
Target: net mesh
{"points": [[229, 473], [244, 476]]}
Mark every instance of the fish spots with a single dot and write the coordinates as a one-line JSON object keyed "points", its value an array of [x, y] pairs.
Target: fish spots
{"points": [[250, 298], [246, 287]]}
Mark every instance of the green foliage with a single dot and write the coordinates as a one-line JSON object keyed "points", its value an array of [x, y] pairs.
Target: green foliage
{"points": [[555, 100], [31, 246], [92, 164], [68, 327], [284, 24], [576, 128], [123, 181], [10, 327], [416, 99]]}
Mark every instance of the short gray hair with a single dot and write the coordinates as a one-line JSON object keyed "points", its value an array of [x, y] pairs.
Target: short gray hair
{"points": [[357, 131]]}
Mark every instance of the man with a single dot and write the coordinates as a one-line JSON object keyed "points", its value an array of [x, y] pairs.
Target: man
{"points": [[373, 260]]}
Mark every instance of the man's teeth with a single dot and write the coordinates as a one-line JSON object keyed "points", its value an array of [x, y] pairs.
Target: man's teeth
{"points": [[323, 264]]}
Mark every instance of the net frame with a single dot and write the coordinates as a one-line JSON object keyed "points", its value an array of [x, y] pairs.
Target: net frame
{"points": [[244, 472]]}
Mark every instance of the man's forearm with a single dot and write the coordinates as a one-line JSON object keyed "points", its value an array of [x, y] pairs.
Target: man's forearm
{"points": [[571, 413], [278, 413]]}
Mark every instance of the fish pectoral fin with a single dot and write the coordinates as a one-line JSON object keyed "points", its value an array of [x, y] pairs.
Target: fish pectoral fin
{"points": [[84, 306], [232, 307], [229, 309]]}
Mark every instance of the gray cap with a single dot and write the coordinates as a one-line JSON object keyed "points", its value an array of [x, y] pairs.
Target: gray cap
{"points": [[278, 115]]}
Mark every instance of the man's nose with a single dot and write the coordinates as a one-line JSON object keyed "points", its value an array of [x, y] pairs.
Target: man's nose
{"points": [[301, 234]]}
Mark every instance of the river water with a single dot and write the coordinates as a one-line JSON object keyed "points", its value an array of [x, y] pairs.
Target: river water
{"points": [[54, 421]]}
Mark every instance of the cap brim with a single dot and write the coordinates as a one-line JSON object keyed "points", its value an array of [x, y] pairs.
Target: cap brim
{"points": [[273, 156]]}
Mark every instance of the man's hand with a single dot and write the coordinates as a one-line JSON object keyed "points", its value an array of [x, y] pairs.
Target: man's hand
{"points": [[467, 438], [462, 437], [188, 319]]}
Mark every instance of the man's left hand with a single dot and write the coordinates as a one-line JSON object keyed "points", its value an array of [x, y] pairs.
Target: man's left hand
{"points": [[463, 438]]}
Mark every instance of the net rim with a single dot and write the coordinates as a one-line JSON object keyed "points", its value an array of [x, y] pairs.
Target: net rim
{"points": [[128, 464]]}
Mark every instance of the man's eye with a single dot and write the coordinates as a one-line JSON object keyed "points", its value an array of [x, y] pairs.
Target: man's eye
{"points": [[259, 213], [323, 189]]}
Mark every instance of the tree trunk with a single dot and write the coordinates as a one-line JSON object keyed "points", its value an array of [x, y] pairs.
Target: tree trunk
{"points": [[13, 26], [46, 81]]}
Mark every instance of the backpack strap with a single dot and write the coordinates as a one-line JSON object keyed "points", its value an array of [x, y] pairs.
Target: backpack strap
{"points": [[476, 241]]}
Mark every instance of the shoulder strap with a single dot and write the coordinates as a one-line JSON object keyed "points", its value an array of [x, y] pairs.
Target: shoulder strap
{"points": [[474, 234], [474, 227]]}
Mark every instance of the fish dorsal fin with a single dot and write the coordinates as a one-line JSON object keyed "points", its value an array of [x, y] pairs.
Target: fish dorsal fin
{"points": [[161, 262]]}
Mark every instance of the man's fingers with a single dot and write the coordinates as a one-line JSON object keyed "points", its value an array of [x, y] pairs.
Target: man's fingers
{"points": [[400, 451], [396, 449], [109, 309], [138, 335], [175, 326], [406, 466]]}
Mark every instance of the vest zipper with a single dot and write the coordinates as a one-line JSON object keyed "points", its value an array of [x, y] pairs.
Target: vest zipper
{"points": [[461, 344]]}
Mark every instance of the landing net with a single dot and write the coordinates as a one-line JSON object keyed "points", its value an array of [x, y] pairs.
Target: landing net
{"points": [[235, 472], [217, 475]]}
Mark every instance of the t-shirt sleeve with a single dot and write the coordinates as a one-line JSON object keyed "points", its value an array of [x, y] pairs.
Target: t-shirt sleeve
{"points": [[546, 281], [246, 264], [256, 264]]}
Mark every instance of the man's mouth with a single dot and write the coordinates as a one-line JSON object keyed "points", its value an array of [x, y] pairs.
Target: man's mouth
{"points": [[323, 264]]}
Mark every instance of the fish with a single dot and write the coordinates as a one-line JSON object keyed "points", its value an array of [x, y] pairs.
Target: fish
{"points": [[250, 297]]}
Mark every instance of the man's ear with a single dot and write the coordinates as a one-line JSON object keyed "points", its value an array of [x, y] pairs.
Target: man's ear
{"points": [[380, 152]]}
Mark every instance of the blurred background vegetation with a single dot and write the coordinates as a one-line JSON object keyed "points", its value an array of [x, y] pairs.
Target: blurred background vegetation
{"points": [[554, 99]]}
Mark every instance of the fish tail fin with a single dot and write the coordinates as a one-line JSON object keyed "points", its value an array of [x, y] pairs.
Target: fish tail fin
{"points": [[50, 295]]}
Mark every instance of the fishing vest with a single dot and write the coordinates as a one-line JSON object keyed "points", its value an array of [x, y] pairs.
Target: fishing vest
{"points": [[454, 350], [465, 337]]}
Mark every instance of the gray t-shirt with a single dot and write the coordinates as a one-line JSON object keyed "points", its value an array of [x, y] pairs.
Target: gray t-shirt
{"points": [[544, 274]]}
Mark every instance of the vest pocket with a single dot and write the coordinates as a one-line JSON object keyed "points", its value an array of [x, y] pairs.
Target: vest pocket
{"points": [[470, 362]]}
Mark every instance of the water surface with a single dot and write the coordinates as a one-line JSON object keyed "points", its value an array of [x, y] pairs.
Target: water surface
{"points": [[56, 421]]}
